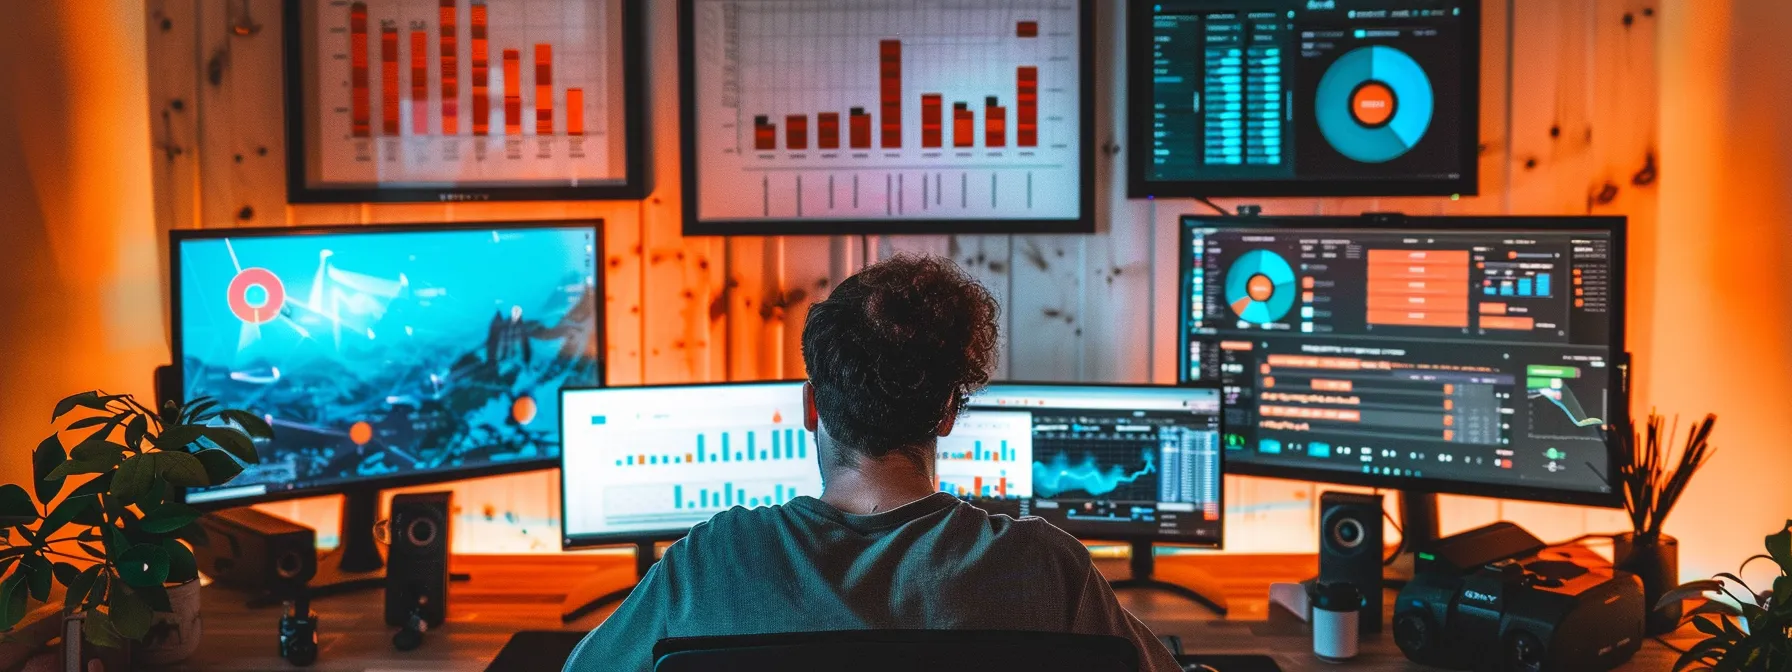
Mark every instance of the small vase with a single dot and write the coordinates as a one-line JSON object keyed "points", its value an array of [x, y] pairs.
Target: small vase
{"points": [[173, 637], [1655, 560], [79, 654]]}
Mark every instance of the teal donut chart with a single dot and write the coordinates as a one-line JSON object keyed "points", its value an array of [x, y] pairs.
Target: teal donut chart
{"points": [[1273, 268], [1411, 117]]}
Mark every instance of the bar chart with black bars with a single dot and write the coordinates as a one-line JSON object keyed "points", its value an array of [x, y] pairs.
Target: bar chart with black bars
{"points": [[459, 91], [989, 454], [888, 109]]}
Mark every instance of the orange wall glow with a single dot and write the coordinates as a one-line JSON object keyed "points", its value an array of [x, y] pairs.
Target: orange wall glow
{"points": [[80, 290], [1723, 323]]}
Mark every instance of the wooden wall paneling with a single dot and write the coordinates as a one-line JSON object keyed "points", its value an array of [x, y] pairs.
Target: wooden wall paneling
{"points": [[242, 156], [930, 246], [808, 278], [1496, 113], [1117, 271], [1166, 284], [1551, 106], [1045, 303], [1623, 181], [173, 38], [989, 259], [1266, 515], [747, 286]]}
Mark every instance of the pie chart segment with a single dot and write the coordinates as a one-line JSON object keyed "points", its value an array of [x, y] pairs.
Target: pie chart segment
{"points": [[1374, 104], [1260, 287]]}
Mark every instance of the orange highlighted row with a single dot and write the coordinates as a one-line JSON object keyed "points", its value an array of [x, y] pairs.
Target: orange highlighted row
{"points": [[1493, 309], [1297, 398], [1334, 414], [1327, 385], [1454, 304], [1236, 346], [1419, 318], [1508, 323]]}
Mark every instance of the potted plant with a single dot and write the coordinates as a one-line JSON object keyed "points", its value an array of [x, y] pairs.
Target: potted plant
{"points": [[115, 540], [1751, 632], [1652, 479]]}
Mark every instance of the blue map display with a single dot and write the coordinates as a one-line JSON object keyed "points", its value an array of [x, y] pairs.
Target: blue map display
{"points": [[384, 353]]}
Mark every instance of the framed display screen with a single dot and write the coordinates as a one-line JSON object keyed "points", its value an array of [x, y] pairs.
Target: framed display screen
{"points": [[464, 100], [887, 116], [1298, 98]]}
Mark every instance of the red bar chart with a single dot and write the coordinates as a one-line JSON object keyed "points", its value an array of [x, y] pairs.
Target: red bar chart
{"points": [[988, 454], [460, 91], [952, 110]]}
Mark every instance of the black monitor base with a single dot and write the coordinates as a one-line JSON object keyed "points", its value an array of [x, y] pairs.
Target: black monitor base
{"points": [[1188, 582], [608, 586], [1419, 529]]}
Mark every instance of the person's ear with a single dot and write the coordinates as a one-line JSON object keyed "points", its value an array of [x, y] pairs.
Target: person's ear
{"points": [[951, 419], [811, 418]]}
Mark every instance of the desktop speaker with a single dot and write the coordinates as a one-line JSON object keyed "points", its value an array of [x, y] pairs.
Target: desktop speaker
{"points": [[167, 386], [257, 552], [417, 563], [1350, 547]]}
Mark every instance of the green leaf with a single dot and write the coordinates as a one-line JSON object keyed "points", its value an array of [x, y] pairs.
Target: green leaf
{"points": [[181, 469], [193, 534], [144, 565], [132, 479], [73, 467], [84, 399], [84, 423], [97, 630], [94, 486], [1782, 596], [98, 450], [116, 544], [45, 459], [62, 514], [220, 467], [1688, 591], [178, 437], [135, 431], [250, 422], [1780, 547], [16, 507], [169, 517], [131, 615], [41, 573], [233, 441], [156, 596], [65, 573], [12, 601], [92, 551], [182, 566], [80, 587], [98, 595], [199, 411]]}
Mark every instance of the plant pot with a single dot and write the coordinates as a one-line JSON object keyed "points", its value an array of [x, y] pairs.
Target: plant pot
{"points": [[1656, 561], [174, 636]]}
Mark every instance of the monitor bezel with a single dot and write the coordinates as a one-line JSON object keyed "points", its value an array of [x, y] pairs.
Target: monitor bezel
{"points": [[570, 543], [1218, 542], [179, 236], [1619, 371], [1138, 114], [695, 225]]}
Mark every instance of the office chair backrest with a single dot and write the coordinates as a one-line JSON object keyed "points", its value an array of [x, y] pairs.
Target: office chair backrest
{"points": [[898, 651]]}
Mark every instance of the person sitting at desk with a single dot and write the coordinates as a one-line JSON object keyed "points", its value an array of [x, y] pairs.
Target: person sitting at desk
{"points": [[893, 354]]}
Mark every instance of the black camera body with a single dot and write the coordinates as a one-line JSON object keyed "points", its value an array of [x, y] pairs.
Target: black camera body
{"points": [[1538, 610]]}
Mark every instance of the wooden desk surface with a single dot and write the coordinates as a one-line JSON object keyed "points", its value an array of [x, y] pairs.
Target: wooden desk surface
{"points": [[511, 593]]}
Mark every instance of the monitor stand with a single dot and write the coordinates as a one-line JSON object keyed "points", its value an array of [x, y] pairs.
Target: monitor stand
{"points": [[1188, 582], [1418, 529], [610, 585]]}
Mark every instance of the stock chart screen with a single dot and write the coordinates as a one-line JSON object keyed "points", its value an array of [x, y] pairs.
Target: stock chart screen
{"points": [[1455, 356], [1100, 462]]}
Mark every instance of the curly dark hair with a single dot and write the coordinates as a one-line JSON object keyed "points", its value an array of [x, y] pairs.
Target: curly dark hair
{"points": [[891, 347]]}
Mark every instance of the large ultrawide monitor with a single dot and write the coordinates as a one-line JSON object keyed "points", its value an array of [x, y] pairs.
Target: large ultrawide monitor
{"points": [[647, 463], [1114, 463], [1480, 356], [386, 356], [1299, 98]]}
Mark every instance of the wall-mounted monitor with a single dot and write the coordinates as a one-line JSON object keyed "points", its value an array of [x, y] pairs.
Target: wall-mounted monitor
{"points": [[1479, 356], [464, 100], [388, 356], [1303, 98], [887, 116]]}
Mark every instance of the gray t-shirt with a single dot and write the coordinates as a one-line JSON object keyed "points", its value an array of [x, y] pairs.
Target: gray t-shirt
{"points": [[936, 563]]}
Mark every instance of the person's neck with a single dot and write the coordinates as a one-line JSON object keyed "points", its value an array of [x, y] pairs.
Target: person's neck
{"points": [[876, 485]]}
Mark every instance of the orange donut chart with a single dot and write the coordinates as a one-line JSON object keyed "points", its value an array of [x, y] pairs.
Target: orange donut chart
{"points": [[259, 309], [1372, 104]]}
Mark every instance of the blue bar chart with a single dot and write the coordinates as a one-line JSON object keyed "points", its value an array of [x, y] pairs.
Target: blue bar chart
{"points": [[989, 454]]}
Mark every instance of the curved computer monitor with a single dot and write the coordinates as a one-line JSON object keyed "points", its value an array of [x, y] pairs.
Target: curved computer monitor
{"points": [[1478, 356], [388, 355], [1303, 98]]}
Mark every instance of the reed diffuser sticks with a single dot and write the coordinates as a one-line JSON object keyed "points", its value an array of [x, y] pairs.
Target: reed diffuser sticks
{"points": [[1652, 478]]}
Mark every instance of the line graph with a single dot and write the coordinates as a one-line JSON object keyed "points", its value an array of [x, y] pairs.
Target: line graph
{"points": [[1059, 476], [952, 109]]}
